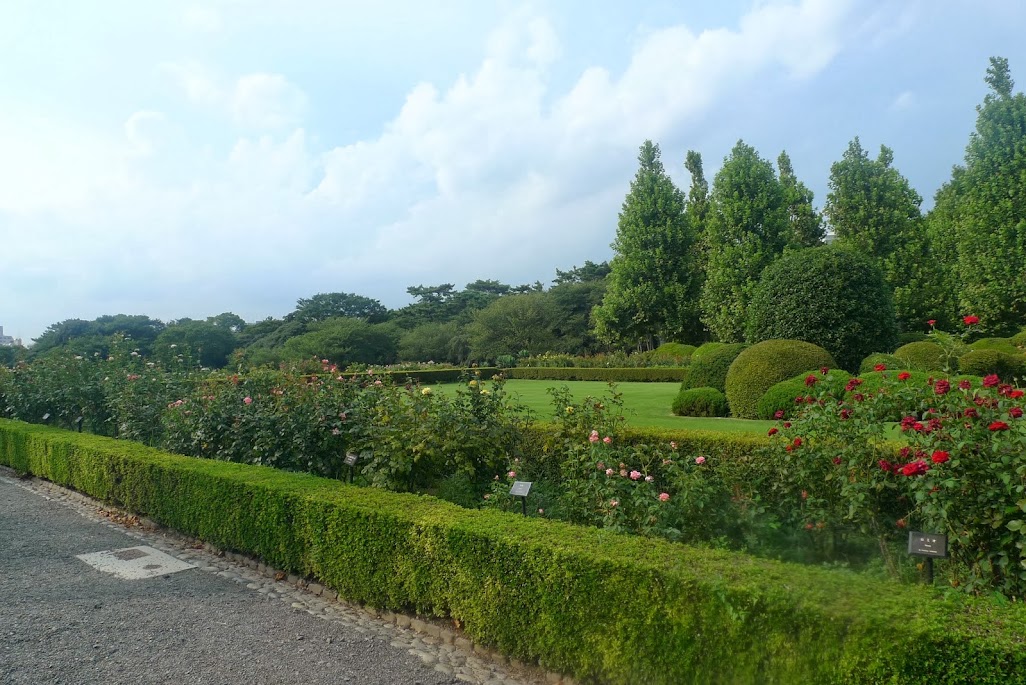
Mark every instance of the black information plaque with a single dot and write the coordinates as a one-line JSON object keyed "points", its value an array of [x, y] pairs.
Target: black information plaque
{"points": [[927, 544], [521, 488], [351, 458]]}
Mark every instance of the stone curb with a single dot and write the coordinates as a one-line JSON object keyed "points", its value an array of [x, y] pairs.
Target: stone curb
{"points": [[435, 643]]}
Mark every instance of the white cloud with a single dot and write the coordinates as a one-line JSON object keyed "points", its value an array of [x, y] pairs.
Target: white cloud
{"points": [[905, 100], [493, 175]]}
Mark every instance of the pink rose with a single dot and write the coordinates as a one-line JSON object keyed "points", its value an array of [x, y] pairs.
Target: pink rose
{"points": [[699, 460], [608, 440], [594, 437], [649, 479], [610, 472], [635, 475], [614, 503], [512, 474], [247, 400], [664, 496]]}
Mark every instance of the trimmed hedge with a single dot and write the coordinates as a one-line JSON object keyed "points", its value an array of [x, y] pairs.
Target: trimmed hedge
{"points": [[592, 603], [1018, 340], [761, 366], [442, 375], [553, 373], [1000, 344], [673, 350], [710, 369], [921, 356], [985, 362], [781, 396], [700, 402]]}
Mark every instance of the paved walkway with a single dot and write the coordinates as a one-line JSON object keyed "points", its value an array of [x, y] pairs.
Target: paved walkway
{"points": [[63, 621]]}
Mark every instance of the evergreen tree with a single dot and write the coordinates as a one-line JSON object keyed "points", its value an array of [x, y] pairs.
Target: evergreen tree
{"points": [[806, 224], [651, 290], [990, 209], [873, 209], [746, 231]]}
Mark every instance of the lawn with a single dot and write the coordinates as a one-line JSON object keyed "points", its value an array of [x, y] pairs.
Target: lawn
{"points": [[646, 404]]}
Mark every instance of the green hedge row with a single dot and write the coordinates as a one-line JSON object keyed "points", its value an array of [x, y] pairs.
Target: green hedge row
{"points": [[652, 374], [427, 376], [595, 604]]}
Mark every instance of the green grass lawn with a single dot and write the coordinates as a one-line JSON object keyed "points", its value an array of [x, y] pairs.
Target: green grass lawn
{"points": [[645, 404]]}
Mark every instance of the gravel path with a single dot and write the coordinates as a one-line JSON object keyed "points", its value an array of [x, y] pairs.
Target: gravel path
{"points": [[62, 621]]}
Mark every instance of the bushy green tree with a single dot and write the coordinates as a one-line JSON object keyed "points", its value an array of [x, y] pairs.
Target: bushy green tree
{"points": [[210, 343], [513, 324], [873, 209], [324, 306], [346, 341], [829, 296], [805, 223], [747, 230], [438, 342], [653, 284]]}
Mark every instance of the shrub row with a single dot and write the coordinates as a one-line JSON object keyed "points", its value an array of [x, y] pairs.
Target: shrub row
{"points": [[429, 376], [592, 603], [657, 374]]}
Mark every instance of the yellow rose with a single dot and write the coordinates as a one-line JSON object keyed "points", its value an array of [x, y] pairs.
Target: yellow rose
{"points": [[425, 391]]}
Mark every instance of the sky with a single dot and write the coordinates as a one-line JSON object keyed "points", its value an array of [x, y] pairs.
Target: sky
{"points": [[181, 159]]}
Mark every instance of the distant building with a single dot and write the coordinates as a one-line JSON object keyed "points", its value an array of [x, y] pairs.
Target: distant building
{"points": [[6, 340]]}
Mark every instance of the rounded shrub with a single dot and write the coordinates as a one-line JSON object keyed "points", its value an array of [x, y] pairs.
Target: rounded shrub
{"points": [[986, 362], [911, 337], [700, 402], [889, 361], [921, 356], [828, 296], [710, 369], [1000, 344], [671, 351], [762, 366], [782, 396], [1018, 340], [706, 348]]}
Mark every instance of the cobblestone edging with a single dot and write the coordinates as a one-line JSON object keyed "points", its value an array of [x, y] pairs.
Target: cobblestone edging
{"points": [[436, 645]]}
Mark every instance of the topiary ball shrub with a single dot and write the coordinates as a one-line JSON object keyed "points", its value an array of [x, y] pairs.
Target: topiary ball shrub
{"points": [[700, 402], [678, 353], [710, 369], [889, 361], [706, 348], [1008, 367], [762, 366], [782, 396], [921, 356], [828, 296], [1000, 344]]}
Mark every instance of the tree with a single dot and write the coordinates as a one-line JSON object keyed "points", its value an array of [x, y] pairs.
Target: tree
{"points": [[988, 216], [652, 289], [345, 341], [873, 209], [747, 230], [806, 224], [513, 324], [325, 306], [580, 274], [229, 320], [211, 343], [439, 342]]}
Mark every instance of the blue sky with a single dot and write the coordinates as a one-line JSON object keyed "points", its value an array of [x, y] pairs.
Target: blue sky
{"points": [[182, 159]]}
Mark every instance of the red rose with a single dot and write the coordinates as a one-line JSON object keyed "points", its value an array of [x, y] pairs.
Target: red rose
{"points": [[787, 424], [901, 523], [880, 367], [931, 322], [845, 414], [939, 457], [998, 426], [778, 414], [904, 376], [991, 381], [858, 397], [884, 465], [810, 380], [824, 370], [1015, 394], [773, 431], [797, 442], [964, 384], [918, 427], [837, 460], [799, 400], [915, 468], [1015, 412], [852, 384], [971, 412], [942, 386], [970, 320]]}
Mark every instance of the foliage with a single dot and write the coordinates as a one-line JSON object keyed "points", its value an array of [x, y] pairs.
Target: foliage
{"points": [[922, 356], [324, 306], [210, 343], [1000, 344], [440, 342], [399, 552], [653, 374], [831, 297], [653, 284], [787, 398], [986, 210], [709, 365], [763, 365], [345, 341], [875, 211], [985, 362], [805, 223], [700, 402], [513, 324], [877, 359], [746, 231]]}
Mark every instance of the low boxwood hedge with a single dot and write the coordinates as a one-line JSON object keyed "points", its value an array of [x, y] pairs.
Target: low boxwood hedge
{"points": [[552, 373], [984, 362], [596, 604], [700, 402], [443, 375]]}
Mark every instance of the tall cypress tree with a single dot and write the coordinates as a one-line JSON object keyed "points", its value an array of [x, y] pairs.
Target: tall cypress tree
{"points": [[650, 293], [746, 231]]}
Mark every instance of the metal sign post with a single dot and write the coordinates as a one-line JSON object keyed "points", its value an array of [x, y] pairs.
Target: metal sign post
{"points": [[350, 461], [929, 545], [521, 489]]}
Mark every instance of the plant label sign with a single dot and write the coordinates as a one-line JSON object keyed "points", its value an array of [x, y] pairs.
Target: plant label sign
{"points": [[520, 488], [927, 544], [351, 459]]}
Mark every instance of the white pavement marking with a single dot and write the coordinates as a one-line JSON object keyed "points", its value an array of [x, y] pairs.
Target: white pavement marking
{"points": [[135, 563]]}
